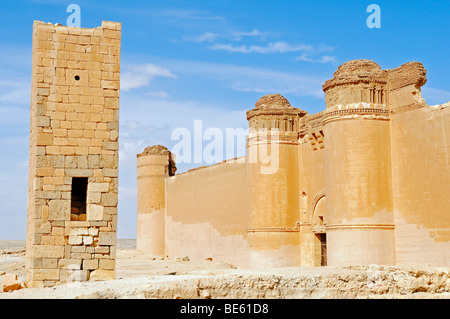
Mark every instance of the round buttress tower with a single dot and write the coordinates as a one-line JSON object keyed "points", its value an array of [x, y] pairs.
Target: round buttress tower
{"points": [[360, 229], [154, 164], [272, 154]]}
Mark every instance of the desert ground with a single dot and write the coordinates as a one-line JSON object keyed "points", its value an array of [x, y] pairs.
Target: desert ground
{"points": [[144, 276]]}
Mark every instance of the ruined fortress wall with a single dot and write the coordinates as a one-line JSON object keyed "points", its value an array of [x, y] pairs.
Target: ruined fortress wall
{"points": [[206, 213], [74, 131], [312, 199], [366, 181], [404, 86], [421, 185]]}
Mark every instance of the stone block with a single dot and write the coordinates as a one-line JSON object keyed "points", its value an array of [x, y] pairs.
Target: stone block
{"points": [[110, 145], [82, 150], [78, 249], [90, 264], [112, 252], [88, 240], [44, 171], [49, 263], [79, 256], [113, 125], [82, 162], [94, 161], [114, 135], [70, 161], [58, 231], [107, 238], [94, 197], [107, 264], [59, 210], [108, 161], [109, 199], [79, 172], [101, 256], [43, 227], [44, 139], [101, 134], [43, 121], [99, 223], [71, 224], [45, 274], [102, 250], [69, 263], [94, 212], [47, 240], [48, 187], [44, 212], [102, 274], [107, 84], [67, 150], [75, 240], [48, 251], [59, 240], [111, 210], [98, 187], [93, 231], [78, 231]]}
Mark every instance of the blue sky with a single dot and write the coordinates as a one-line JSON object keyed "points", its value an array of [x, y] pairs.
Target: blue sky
{"points": [[209, 60]]}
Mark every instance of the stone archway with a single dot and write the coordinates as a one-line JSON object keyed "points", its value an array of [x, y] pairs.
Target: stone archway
{"points": [[318, 213], [318, 223]]}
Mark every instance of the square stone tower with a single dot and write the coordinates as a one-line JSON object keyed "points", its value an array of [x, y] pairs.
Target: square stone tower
{"points": [[73, 167]]}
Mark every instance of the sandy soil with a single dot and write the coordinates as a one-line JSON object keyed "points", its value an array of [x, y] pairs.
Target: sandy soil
{"points": [[142, 276]]}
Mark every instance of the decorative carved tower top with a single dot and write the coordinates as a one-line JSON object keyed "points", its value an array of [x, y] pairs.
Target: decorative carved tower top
{"points": [[273, 111], [357, 81]]}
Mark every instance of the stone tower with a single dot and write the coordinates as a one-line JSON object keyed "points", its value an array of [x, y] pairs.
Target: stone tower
{"points": [[73, 166], [273, 183], [154, 164], [358, 181]]}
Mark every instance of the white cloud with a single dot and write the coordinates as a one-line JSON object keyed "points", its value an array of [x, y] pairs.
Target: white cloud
{"points": [[273, 47], [236, 36], [187, 14], [323, 59], [141, 75], [158, 94], [204, 37], [309, 51], [251, 79], [253, 33]]}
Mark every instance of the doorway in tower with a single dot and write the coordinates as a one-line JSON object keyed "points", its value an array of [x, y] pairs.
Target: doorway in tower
{"points": [[321, 249]]}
